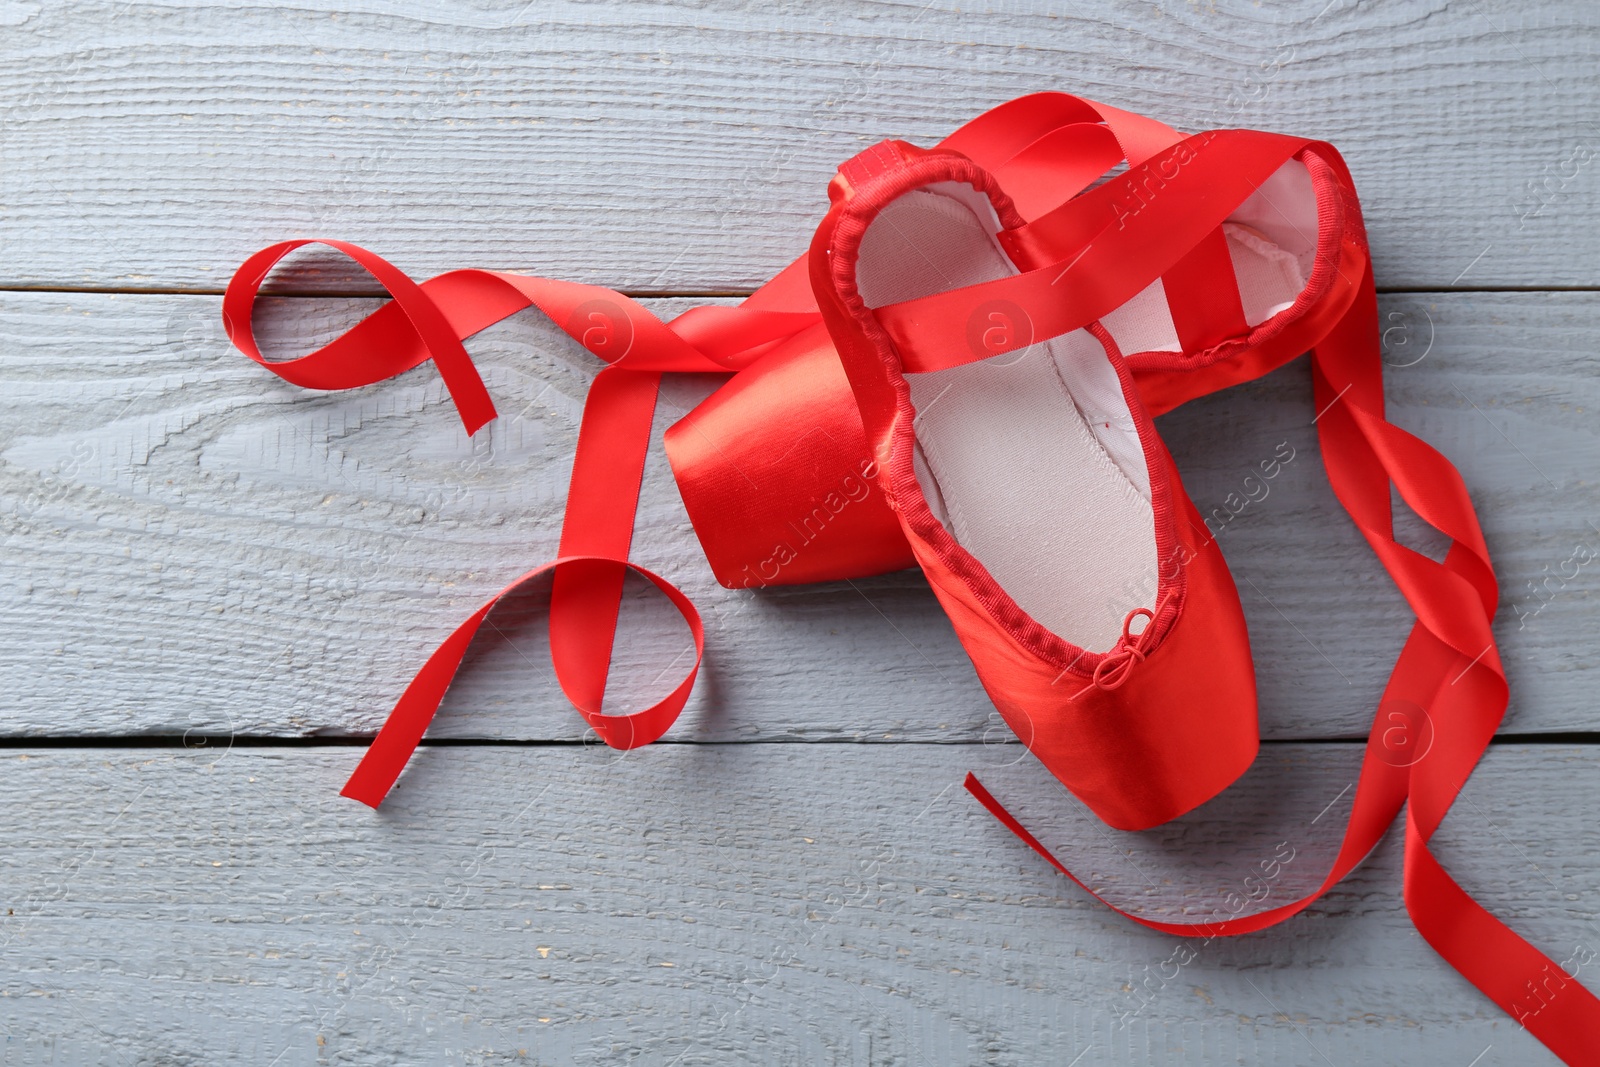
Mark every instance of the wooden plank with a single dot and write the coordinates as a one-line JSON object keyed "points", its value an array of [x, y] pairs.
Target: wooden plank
{"points": [[155, 146], [706, 904], [189, 544]]}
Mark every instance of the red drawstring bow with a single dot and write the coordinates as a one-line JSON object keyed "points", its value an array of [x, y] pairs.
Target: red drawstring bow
{"points": [[1121, 659], [1116, 666]]}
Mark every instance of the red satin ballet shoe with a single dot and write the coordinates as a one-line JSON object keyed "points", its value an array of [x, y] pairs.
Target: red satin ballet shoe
{"points": [[1038, 498]]}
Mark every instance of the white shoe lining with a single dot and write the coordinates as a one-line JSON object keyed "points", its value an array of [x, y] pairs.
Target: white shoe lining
{"points": [[1030, 458]]}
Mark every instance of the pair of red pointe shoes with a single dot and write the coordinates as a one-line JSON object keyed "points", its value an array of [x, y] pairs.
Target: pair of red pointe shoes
{"points": [[962, 375], [1024, 467]]}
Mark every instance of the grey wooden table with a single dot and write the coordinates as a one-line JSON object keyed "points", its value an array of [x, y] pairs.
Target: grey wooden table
{"points": [[213, 586]]}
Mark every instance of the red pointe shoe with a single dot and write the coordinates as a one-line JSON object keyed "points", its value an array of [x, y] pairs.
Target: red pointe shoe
{"points": [[1039, 500]]}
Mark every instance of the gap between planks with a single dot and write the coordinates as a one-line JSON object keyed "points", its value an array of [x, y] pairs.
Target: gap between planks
{"points": [[686, 294], [165, 741]]}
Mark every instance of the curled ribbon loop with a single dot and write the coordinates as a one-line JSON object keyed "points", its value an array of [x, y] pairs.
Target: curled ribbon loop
{"points": [[342, 366], [427, 322], [391, 750]]}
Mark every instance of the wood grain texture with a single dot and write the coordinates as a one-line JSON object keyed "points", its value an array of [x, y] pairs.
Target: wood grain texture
{"points": [[190, 544], [191, 549], [816, 904], [149, 144]]}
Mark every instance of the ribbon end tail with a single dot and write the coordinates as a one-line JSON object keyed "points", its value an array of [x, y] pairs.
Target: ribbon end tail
{"points": [[363, 794], [478, 418], [1010, 822]]}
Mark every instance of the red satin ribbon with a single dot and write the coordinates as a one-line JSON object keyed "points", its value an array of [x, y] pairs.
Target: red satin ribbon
{"points": [[1047, 149], [1449, 667], [603, 494]]}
